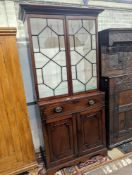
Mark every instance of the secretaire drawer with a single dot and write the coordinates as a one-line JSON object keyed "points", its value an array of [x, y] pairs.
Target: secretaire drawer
{"points": [[72, 105]]}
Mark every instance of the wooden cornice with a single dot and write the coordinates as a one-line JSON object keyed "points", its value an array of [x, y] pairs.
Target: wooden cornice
{"points": [[7, 31], [56, 10]]}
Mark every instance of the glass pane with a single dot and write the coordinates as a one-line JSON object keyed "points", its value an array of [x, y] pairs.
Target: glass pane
{"points": [[50, 59], [93, 42], [52, 75], [60, 58], [83, 57], [82, 42], [75, 58], [39, 76], [84, 71], [49, 43], [64, 74], [35, 44], [92, 84], [37, 25], [44, 91], [61, 43], [73, 72], [56, 25], [89, 25], [91, 56], [40, 60], [72, 46], [74, 26], [78, 86], [94, 70], [61, 89]]}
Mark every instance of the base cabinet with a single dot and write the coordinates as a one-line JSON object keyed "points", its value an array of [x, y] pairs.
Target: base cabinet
{"points": [[75, 133]]}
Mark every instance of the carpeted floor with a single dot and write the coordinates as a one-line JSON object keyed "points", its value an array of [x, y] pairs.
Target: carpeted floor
{"points": [[116, 162], [124, 171], [126, 147], [112, 167], [100, 165]]}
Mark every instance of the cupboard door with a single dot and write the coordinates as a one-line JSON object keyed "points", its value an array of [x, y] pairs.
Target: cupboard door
{"points": [[61, 139], [90, 131], [120, 109]]}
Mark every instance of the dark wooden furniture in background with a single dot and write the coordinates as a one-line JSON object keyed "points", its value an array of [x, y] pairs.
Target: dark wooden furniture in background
{"points": [[116, 81], [16, 147], [64, 52]]}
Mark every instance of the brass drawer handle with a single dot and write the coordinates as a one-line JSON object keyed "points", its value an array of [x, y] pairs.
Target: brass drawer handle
{"points": [[91, 102], [58, 109]]}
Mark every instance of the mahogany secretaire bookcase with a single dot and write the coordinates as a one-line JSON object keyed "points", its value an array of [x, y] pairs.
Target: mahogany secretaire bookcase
{"points": [[64, 49]]}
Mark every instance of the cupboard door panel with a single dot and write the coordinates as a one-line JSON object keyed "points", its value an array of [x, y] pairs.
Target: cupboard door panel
{"points": [[61, 139], [90, 128]]}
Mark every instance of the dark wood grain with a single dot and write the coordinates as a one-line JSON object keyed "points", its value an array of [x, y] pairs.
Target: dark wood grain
{"points": [[56, 10], [118, 108], [72, 127], [90, 130], [116, 71]]}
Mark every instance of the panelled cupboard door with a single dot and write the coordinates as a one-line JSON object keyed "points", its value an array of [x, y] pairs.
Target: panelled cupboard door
{"points": [[16, 147], [61, 139], [90, 131]]}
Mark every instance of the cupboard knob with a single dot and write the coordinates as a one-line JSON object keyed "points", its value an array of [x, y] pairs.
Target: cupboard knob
{"points": [[91, 102], [58, 109]]}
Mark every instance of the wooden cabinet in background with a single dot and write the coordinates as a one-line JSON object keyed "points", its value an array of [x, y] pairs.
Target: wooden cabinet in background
{"points": [[115, 52], [16, 147], [116, 81]]}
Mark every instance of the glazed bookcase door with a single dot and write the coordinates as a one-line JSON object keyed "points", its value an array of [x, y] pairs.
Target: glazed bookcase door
{"points": [[48, 40], [82, 39]]}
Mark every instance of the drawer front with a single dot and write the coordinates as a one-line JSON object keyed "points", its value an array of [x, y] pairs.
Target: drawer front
{"points": [[73, 106]]}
